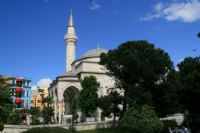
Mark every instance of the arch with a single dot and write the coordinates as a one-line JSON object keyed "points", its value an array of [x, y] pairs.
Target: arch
{"points": [[51, 94], [56, 93], [68, 95]]}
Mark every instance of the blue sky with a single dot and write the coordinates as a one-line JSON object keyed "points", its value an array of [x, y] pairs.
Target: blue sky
{"points": [[32, 31]]}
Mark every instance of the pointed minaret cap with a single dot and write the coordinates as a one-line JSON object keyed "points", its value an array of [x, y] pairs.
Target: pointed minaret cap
{"points": [[71, 21], [71, 34]]}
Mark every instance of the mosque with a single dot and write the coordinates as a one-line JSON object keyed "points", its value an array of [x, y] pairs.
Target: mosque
{"points": [[66, 86]]}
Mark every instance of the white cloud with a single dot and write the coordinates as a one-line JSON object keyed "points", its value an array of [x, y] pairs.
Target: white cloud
{"points": [[188, 11], [34, 87], [94, 5], [44, 83]]}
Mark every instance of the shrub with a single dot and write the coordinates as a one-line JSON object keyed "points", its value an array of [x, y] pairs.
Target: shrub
{"points": [[35, 121], [1, 127], [168, 123], [141, 120]]}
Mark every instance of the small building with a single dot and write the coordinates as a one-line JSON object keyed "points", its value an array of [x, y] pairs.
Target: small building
{"points": [[20, 92], [37, 97]]}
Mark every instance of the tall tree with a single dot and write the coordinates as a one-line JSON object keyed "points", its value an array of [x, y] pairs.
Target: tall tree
{"points": [[166, 95], [35, 114], [48, 111], [190, 91], [138, 68], [47, 100], [6, 104], [88, 97], [74, 110], [47, 114]]}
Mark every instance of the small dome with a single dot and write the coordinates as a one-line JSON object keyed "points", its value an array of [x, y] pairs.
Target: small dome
{"points": [[94, 52]]}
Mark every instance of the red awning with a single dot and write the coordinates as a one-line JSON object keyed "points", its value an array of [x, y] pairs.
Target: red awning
{"points": [[18, 100], [19, 89], [19, 80]]}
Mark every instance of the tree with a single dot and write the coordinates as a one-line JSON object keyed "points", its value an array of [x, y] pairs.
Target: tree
{"points": [[138, 68], [74, 109], [48, 111], [88, 97], [6, 105], [141, 120], [35, 114], [189, 71], [110, 104], [47, 114], [166, 95], [15, 118], [47, 100]]}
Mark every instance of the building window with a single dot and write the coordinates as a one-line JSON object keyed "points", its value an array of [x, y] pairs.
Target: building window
{"points": [[32, 101], [39, 101], [12, 91], [19, 84]]}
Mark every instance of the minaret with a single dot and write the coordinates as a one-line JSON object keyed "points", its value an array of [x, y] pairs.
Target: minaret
{"points": [[70, 40]]}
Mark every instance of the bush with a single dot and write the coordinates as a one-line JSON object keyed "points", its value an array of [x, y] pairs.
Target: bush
{"points": [[47, 130], [141, 120], [168, 123], [1, 127], [35, 121]]}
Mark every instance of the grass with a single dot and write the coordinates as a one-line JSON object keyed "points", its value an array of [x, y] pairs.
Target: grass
{"points": [[62, 130], [46, 130], [105, 130]]}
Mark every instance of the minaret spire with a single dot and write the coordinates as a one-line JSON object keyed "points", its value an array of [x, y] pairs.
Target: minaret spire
{"points": [[70, 40], [71, 21]]}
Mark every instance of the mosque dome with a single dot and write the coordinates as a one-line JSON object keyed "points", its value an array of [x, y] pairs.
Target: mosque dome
{"points": [[94, 52]]}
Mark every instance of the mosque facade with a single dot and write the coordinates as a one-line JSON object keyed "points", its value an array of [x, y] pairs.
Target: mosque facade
{"points": [[67, 85]]}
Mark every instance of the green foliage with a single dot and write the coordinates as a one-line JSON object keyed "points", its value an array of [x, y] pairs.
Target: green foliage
{"points": [[1, 127], [6, 106], [169, 123], [189, 71], [47, 113], [47, 130], [47, 100], [74, 108], [88, 97], [139, 68], [166, 95], [15, 118], [110, 104], [141, 120], [62, 130], [72, 129], [35, 113], [107, 130]]}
